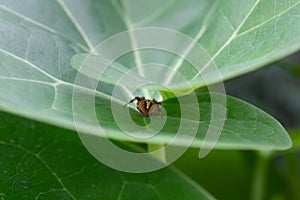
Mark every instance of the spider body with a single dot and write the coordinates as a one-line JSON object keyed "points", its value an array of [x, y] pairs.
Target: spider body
{"points": [[146, 106]]}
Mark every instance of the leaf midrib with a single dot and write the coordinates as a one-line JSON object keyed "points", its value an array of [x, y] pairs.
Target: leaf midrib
{"points": [[76, 24]]}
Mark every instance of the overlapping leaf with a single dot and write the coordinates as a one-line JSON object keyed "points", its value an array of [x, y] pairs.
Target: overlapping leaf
{"points": [[37, 80]]}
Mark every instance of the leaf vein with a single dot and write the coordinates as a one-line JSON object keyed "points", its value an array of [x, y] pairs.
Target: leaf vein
{"points": [[44, 163], [26, 80], [161, 10], [190, 47], [76, 24], [130, 27], [266, 21], [30, 64], [39, 24], [229, 39]]}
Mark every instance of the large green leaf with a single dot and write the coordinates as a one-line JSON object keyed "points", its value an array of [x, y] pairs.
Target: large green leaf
{"points": [[38, 39], [240, 36], [245, 127], [39, 161]]}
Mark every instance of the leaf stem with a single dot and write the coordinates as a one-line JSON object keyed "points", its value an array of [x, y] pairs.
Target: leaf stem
{"points": [[260, 175]]}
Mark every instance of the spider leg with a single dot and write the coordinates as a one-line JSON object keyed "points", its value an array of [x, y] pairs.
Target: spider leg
{"points": [[132, 100]]}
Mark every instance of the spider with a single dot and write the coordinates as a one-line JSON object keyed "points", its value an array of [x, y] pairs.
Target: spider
{"points": [[146, 106]]}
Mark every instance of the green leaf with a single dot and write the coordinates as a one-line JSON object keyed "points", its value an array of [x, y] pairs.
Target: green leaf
{"points": [[44, 162], [240, 36], [37, 80], [245, 126], [237, 36]]}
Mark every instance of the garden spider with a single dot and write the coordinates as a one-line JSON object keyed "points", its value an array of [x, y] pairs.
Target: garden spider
{"points": [[146, 106]]}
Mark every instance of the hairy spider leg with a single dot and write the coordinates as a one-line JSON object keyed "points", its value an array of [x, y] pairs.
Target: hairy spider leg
{"points": [[132, 100]]}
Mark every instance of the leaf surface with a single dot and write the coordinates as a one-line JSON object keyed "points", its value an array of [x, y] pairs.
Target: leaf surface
{"points": [[37, 80], [39, 161]]}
